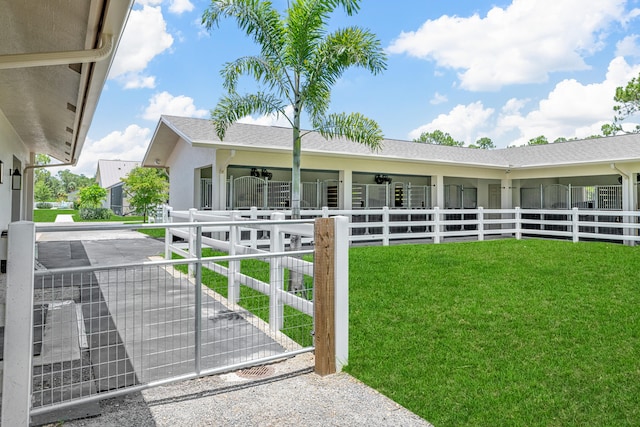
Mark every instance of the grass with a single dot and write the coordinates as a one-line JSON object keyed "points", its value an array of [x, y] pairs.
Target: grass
{"points": [[157, 233], [297, 326], [506, 332], [49, 215]]}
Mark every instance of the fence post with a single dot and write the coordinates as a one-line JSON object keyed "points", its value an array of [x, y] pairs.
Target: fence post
{"points": [[325, 212], [331, 294], [276, 275], [198, 301], [480, 223], [192, 241], [168, 237], [233, 287], [518, 223], [575, 227], [436, 225], [385, 225], [254, 233], [18, 334]]}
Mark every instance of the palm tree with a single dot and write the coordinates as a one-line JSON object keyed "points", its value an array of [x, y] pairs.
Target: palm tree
{"points": [[298, 64]]}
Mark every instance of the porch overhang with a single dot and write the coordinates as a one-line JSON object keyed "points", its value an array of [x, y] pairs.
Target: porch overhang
{"points": [[54, 60]]}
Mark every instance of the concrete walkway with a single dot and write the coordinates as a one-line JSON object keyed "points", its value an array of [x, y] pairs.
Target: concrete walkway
{"points": [[281, 394]]}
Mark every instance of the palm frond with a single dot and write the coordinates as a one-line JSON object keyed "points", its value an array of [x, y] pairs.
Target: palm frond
{"points": [[257, 18], [233, 107], [339, 51], [306, 27], [355, 127], [261, 69]]}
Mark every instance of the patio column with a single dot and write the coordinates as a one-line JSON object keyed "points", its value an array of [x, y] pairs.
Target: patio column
{"points": [[628, 201], [506, 185], [634, 192], [345, 179], [222, 191], [438, 197]]}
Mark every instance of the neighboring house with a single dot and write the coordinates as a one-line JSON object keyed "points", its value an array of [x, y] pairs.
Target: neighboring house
{"points": [[109, 176], [252, 167], [54, 61]]}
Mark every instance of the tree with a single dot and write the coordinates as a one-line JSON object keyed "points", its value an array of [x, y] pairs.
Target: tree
{"points": [[45, 184], [41, 192], [560, 139], [145, 188], [437, 137], [538, 140], [298, 64], [484, 143], [71, 182], [92, 196], [627, 104]]}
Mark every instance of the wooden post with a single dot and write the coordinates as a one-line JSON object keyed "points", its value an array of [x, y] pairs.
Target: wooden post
{"points": [[324, 296]]}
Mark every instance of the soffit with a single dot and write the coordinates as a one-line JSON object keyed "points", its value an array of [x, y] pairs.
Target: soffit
{"points": [[50, 107]]}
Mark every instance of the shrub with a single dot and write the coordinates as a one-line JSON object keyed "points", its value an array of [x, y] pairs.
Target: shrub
{"points": [[44, 205], [95, 213]]}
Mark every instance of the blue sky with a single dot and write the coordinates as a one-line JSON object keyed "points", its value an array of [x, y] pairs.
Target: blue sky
{"points": [[509, 70]]}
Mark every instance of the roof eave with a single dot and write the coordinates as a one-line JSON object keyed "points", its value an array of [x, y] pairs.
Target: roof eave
{"points": [[112, 22]]}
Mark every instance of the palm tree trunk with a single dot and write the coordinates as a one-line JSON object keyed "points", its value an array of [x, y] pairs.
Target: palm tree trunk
{"points": [[296, 280]]}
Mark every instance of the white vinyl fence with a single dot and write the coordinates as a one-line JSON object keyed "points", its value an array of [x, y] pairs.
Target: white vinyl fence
{"points": [[384, 225]]}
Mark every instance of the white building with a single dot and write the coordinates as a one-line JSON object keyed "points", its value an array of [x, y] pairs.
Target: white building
{"points": [[54, 60], [251, 167], [109, 175]]}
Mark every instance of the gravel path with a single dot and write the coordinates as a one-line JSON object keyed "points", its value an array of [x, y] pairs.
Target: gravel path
{"points": [[291, 396]]}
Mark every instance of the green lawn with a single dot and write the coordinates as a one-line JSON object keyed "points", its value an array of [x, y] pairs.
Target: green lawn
{"points": [[49, 215], [297, 326], [501, 332]]}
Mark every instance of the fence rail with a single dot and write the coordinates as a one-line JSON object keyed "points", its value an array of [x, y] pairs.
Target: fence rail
{"points": [[384, 225]]}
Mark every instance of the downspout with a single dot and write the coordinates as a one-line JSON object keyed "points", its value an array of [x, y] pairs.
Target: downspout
{"points": [[613, 166], [225, 164], [36, 166], [27, 60], [627, 191]]}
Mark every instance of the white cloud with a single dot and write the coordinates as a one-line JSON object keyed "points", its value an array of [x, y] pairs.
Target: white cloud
{"points": [[571, 109], [521, 43], [144, 37], [139, 81], [131, 144], [628, 47], [165, 103], [514, 105], [180, 6], [438, 99], [463, 122], [175, 6], [270, 120]]}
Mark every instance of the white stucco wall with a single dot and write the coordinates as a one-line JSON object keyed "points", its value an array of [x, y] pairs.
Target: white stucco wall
{"points": [[184, 176], [10, 146]]}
